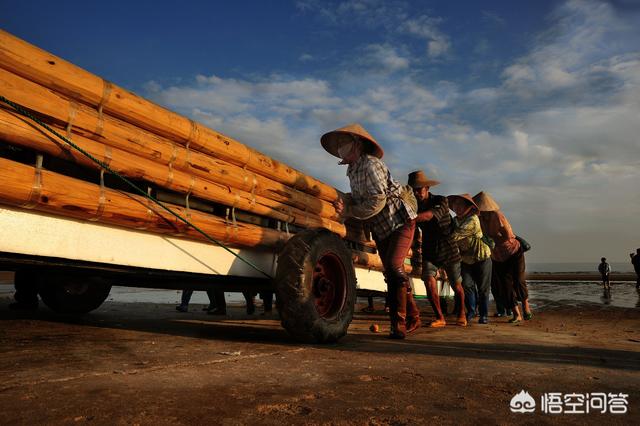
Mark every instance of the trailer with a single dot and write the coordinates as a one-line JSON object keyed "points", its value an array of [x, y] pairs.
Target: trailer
{"points": [[100, 187]]}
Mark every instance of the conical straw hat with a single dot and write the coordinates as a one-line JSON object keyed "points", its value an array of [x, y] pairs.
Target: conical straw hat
{"points": [[331, 140], [466, 197], [485, 203], [418, 179]]}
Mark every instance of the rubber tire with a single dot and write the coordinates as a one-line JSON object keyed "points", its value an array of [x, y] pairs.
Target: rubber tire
{"points": [[295, 301], [71, 294]]}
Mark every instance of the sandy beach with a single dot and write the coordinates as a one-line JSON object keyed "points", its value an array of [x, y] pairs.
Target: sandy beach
{"points": [[144, 363]]}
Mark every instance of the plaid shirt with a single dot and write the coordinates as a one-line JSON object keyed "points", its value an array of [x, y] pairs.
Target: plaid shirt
{"points": [[370, 177], [438, 246]]}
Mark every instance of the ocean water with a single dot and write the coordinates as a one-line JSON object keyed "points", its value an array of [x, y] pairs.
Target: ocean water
{"points": [[542, 293], [591, 267], [574, 293]]}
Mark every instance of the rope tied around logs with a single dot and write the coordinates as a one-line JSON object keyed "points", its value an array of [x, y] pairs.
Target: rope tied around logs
{"points": [[101, 200], [103, 165], [36, 188], [107, 86]]}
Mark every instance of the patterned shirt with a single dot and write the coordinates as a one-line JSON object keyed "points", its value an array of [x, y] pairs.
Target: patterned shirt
{"points": [[468, 235], [438, 246], [497, 227], [370, 178]]}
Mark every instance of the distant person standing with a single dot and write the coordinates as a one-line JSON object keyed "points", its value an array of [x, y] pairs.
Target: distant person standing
{"points": [[635, 261], [605, 270]]}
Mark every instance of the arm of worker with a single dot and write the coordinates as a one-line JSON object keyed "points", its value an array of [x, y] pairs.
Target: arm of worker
{"points": [[374, 187], [424, 216], [438, 211]]}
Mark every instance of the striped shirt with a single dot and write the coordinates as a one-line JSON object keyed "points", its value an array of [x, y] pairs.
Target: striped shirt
{"points": [[438, 246], [369, 177]]}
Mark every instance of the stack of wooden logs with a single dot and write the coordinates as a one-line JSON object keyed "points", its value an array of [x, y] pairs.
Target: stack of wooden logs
{"points": [[145, 142]]}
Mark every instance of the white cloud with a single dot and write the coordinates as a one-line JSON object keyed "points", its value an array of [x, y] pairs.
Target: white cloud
{"points": [[306, 57], [563, 155], [359, 13], [385, 57], [390, 16], [426, 27]]}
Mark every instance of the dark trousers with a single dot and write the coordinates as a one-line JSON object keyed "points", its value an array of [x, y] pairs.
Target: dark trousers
{"points": [[476, 280], [510, 278], [393, 251], [267, 300], [213, 300], [26, 285]]}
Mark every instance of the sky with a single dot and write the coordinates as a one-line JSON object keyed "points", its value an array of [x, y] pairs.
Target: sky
{"points": [[536, 102]]}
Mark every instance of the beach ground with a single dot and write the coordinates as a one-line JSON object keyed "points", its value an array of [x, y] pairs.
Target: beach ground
{"points": [[142, 363]]}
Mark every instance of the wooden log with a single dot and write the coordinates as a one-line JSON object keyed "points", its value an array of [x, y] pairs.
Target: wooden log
{"points": [[119, 134], [68, 197], [64, 196], [40, 66], [15, 129]]}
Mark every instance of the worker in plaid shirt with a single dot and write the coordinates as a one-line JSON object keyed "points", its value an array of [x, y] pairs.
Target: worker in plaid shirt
{"points": [[380, 202]]}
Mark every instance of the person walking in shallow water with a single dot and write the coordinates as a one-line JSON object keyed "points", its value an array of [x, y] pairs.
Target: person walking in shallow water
{"points": [[379, 201], [605, 270]]}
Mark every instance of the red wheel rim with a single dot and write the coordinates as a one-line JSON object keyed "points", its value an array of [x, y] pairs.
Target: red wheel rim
{"points": [[329, 285]]}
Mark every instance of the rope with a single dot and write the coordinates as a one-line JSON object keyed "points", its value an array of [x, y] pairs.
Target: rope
{"points": [[21, 110]]}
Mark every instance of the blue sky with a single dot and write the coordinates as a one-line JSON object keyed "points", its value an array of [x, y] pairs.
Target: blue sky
{"points": [[536, 102]]}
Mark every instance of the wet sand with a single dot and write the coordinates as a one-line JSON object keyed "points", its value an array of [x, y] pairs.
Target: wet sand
{"points": [[144, 363]]}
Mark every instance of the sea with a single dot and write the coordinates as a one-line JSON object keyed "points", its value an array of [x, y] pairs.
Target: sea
{"points": [[591, 267], [542, 293]]}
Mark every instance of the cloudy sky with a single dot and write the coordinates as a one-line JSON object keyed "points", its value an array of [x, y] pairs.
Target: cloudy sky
{"points": [[536, 102]]}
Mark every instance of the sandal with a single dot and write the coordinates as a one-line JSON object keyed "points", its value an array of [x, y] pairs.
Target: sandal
{"points": [[413, 325], [514, 321], [462, 322], [528, 316], [438, 323]]}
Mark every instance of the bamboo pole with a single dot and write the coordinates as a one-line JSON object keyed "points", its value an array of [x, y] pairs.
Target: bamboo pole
{"points": [[61, 195], [373, 261], [69, 197], [15, 129], [35, 64], [116, 133]]}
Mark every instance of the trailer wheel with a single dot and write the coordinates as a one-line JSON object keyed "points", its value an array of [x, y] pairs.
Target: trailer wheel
{"points": [[316, 287], [73, 294]]}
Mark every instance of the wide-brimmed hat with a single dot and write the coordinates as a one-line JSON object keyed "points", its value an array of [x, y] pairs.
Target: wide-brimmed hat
{"points": [[485, 203], [331, 141], [466, 197], [418, 179]]}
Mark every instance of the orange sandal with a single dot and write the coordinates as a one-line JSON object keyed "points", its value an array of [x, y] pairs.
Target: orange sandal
{"points": [[462, 322], [437, 323]]}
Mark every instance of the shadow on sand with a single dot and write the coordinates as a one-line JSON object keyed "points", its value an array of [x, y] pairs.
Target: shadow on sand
{"points": [[152, 318]]}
